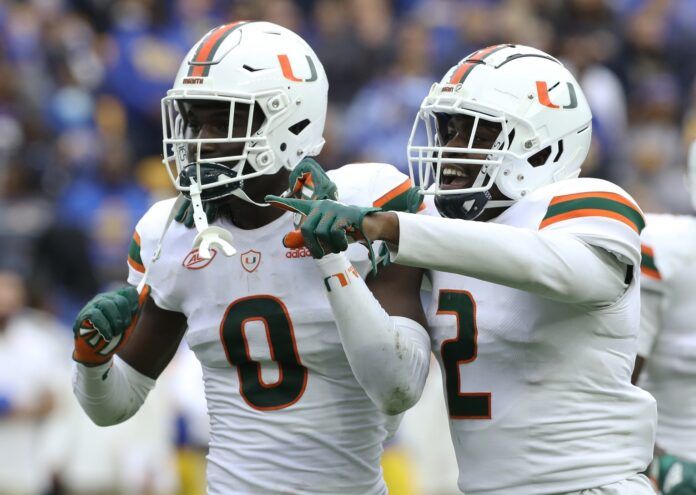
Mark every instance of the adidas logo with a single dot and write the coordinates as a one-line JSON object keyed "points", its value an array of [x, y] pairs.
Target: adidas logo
{"points": [[302, 252]]}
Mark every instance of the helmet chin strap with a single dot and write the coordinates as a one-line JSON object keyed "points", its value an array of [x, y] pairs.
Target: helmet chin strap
{"points": [[478, 182], [471, 206], [242, 195], [500, 203], [207, 236], [491, 203]]}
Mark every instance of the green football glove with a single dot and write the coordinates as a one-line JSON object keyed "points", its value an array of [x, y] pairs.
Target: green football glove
{"points": [[328, 224], [674, 476], [309, 181], [105, 323], [185, 213]]}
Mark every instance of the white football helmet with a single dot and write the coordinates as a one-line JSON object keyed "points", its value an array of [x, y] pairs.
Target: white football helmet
{"points": [[691, 172], [265, 68], [539, 108]]}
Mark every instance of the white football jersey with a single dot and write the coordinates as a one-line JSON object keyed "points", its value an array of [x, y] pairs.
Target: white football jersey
{"points": [[669, 270], [286, 413], [538, 391]]}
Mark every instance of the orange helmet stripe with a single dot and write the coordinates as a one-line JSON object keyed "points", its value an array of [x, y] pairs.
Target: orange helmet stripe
{"points": [[199, 66], [468, 64]]}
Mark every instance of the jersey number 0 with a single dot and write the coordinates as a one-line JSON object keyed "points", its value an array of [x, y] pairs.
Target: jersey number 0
{"points": [[461, 349], [292, 376]]}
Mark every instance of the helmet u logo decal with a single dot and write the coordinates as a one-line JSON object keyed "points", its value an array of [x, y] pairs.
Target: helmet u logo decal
{"points": [[288, 73], [543, 93]]}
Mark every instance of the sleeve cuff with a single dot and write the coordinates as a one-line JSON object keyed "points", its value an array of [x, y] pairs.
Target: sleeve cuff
{"points": [[400, 252]]}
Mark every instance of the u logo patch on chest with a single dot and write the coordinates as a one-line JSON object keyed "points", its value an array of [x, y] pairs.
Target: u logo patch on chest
{"points": [[250, 260]]}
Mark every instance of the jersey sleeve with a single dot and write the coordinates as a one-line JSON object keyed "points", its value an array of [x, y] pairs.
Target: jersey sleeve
{"points": [[650, 272], [598, 212], [371, 184], [136, 268], [142, 248]]}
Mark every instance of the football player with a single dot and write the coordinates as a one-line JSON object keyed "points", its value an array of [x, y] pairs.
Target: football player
{"points": [[667, 343], [534, 310], [287, 413]]}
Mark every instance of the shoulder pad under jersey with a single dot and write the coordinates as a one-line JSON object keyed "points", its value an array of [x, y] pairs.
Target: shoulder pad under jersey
{"points": [[599, 212]]}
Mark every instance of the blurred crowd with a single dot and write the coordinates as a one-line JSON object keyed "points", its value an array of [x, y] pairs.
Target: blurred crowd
{"points": [[80, 131], [81, 81]]}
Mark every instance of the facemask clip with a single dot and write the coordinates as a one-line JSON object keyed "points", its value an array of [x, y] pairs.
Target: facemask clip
{"points": [[208, 236]]}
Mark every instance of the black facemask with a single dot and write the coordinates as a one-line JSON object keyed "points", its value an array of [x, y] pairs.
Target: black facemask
{"points": [[209, 175], [452, 206]]}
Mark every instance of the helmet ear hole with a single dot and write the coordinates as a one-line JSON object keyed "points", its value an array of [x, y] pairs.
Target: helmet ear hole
{"points": [[540, 157], [298, 127]]}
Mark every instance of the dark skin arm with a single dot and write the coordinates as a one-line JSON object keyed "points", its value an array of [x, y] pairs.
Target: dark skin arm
{"points": [[637, 368], [383, 225], [154, 340], [397, 288], [651, 302]]}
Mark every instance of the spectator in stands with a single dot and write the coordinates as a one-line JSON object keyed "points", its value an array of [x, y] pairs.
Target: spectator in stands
{"points": [[33, 368]]}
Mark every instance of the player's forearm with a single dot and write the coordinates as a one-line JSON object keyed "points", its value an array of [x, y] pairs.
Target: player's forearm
{"points": [[383, 225], [389, 356], [110, 393], [650, 315], [650, 318], [554, 265], [637, 369]]}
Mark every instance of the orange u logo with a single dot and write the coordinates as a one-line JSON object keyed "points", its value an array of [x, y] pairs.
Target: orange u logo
{"points": [[544, 99], [288, 73]]}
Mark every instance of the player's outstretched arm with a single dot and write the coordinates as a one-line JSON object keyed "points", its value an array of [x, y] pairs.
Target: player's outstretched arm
{"points": [[557, 265], [388, 351], [553, 264], [111, 388]]}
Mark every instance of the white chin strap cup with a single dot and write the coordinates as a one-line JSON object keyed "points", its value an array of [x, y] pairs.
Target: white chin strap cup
{"points": [[214, 236], [208, 236]]}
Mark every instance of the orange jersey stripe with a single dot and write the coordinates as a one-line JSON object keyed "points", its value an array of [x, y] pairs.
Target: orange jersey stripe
{"points": [[647, 250], [607, 195], [650, 273], [588, 212], [135, 265], [136, 238], [400, 189]]}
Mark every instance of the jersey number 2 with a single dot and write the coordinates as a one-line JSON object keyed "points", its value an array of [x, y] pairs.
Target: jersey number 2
{"points": [[292, 376], [461, 349]]}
